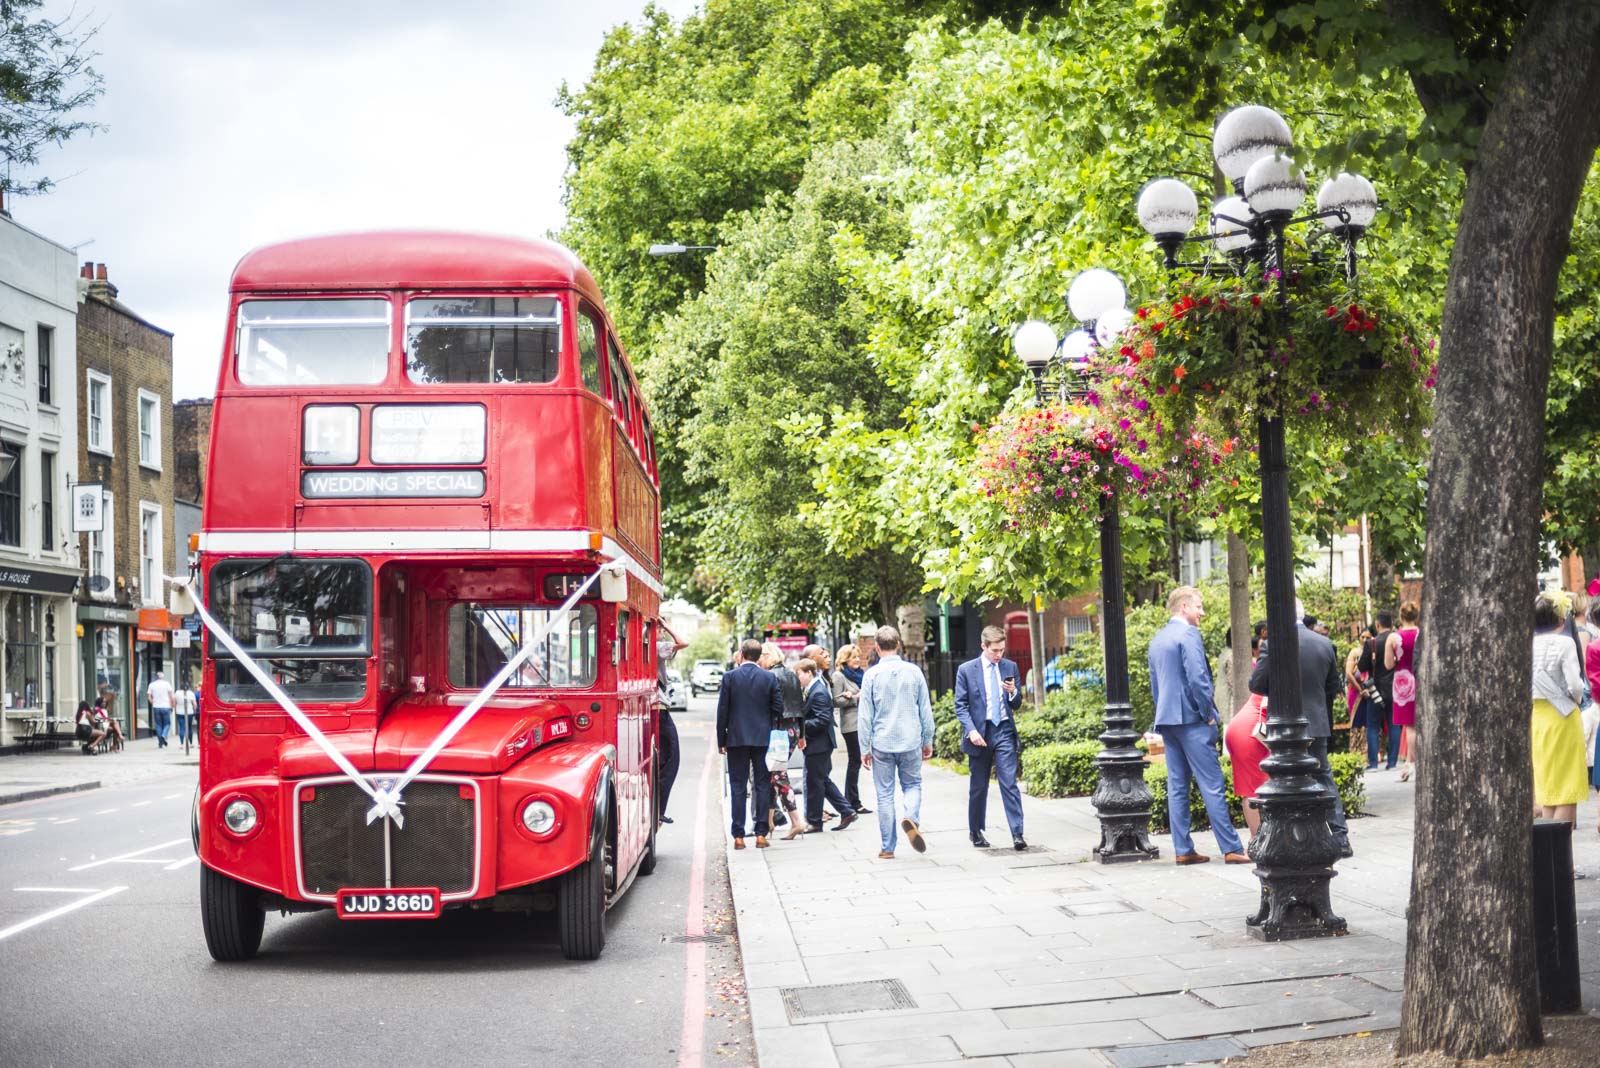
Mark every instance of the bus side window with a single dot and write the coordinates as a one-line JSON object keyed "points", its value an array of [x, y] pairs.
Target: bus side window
{"points": [[620, 655], [589, 353], [392, 631]]}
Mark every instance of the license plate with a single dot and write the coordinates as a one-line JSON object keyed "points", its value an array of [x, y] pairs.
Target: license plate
{"points": [[412, 903]]}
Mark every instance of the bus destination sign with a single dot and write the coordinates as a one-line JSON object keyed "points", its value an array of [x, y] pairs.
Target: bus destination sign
{"points": [[337, 484]]}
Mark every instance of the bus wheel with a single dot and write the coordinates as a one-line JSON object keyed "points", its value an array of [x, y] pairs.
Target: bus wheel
{"points": [[647, 863], [581, 907], [230, 916]]}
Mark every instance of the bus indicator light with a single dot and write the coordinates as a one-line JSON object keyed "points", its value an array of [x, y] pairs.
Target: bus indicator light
{"points": [[583, 721]]}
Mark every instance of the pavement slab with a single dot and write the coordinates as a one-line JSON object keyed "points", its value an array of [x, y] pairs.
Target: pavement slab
{"points": [[1046, 958]]}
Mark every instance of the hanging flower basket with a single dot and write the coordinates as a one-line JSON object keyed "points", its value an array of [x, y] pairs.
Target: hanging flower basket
{"points": [[1041, 464], [1226, 347]]}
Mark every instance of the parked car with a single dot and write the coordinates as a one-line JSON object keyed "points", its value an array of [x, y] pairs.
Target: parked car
{"points": [[677, 691], [705, 676], [1056, 676]]}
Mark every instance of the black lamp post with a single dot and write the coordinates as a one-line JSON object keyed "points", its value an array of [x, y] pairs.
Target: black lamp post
{"points": [[1121, 799], [1294, 850]]}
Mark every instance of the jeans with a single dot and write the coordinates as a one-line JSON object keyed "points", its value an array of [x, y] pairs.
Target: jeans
{"points": [[742, 760], [885, 766], [160, 719], [1374, 729], [852, 768], [183, 723], [1192, 754]]}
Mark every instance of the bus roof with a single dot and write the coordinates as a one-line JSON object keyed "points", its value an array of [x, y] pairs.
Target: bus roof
{"points": [[412, 259]]}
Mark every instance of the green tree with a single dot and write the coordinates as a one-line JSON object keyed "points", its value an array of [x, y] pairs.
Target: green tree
{"points": [[46, 82]]}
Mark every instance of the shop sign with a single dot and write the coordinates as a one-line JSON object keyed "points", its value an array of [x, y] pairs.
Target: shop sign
{"points": [[94, 613], [144, 634], [88, 507], [21, 578]]}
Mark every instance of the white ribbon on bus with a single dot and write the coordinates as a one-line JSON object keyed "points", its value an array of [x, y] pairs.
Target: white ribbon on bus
{"points": [[386, 801]]}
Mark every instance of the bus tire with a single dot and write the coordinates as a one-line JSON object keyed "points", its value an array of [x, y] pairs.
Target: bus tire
{"points": [[230, 915], [581, 907], [647, 863]]}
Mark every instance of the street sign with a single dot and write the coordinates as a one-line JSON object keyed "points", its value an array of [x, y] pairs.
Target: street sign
{"points": [[180, 639]]}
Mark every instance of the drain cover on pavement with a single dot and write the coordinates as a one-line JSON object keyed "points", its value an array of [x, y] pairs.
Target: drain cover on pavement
{"points": [[835, 999], [1098, 908]]}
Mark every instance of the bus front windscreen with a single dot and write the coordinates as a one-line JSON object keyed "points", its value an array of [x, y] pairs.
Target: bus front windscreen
{"points": [[307, 622]]}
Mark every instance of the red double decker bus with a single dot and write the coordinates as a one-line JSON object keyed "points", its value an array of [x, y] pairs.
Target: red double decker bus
{"points": [[430, 568]]}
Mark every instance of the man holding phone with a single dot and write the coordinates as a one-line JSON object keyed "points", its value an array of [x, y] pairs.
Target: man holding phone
{"points": [[987, 698]]}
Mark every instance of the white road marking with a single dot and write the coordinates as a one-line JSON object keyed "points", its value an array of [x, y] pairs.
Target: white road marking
{"points": [[175, 865], [125, 856], [54, 890], [12, 832], [169, 797], [105, 812], [141, 804], [59, 821], [62, 911]]}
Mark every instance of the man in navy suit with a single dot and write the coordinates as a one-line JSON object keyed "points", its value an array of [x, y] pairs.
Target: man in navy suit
{"points": [[987, 698], [748, 706], [1186, 716], [817, 725]]}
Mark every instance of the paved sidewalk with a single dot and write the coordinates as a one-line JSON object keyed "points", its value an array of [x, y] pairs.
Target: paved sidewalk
{"points": [[26, 776], [1045, 958]]}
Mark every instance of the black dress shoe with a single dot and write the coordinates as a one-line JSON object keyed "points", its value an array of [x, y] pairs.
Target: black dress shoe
{"points": [[980, 841], [861, 811], [1019, 844]]}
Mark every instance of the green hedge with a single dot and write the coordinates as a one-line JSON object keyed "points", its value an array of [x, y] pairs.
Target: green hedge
{"points": [[1068, 770]]}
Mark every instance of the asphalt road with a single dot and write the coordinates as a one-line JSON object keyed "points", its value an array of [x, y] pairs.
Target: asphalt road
{"points": [[102, 960]]}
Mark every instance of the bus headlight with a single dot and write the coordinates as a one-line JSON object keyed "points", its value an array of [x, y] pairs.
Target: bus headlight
{"points": [[539, 817], [240, 816]]}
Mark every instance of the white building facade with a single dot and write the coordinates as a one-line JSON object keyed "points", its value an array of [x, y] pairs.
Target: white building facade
{"points": [[39, 566]]}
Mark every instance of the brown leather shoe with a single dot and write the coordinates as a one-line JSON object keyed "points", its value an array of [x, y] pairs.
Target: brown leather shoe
{"points": [[738, 843], [1236, 858], [884, 854], [761, 841], [913, 834], [1192, 858]]}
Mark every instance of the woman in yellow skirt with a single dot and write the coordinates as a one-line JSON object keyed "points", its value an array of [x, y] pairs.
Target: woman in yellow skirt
{"points": [[1560, 777]]}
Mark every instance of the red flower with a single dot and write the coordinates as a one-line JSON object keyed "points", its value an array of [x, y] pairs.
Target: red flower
{"points": [[1255, 300], [1332, 311], [1179, 371], [1158, 327], [1142, 313]]}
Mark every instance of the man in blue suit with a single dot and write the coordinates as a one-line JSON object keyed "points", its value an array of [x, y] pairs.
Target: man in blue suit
{"points": [[1186, 716], [987, 698], [748, 707]]}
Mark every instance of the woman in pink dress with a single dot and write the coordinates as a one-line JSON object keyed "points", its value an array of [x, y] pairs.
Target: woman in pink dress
{"points": [[1245, 753], [1400, 655]]}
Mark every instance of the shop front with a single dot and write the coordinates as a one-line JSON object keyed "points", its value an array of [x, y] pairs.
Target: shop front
{"points": [[37, 690], [151, 642], [107, 650]]}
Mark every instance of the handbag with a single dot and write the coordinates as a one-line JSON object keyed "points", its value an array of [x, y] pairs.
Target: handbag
{"points": [[777, 750]]}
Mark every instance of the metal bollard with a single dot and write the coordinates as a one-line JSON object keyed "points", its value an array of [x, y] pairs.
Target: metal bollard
{"points": [[1555, 917]]}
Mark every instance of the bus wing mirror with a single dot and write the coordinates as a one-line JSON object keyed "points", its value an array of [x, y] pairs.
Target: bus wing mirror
{"points": [[613, 583], [180, 602]]}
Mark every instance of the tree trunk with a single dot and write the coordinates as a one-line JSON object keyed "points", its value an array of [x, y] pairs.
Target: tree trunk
{"points": [[1238, 619], [1590, 555], [1036, 640], [1471, 987]]}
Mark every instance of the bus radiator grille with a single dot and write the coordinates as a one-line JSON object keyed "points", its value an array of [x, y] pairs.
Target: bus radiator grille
{"points": [[339, 849]]}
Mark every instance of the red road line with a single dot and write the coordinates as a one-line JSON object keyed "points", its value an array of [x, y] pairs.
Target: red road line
{"points": [[691, 1044]]}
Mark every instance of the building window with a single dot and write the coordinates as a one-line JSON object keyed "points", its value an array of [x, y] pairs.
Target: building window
{"points": [[47, 501], [150, 552], [11, 498], [149, 430], [99, 412], [103, 553], [23, 668], [47, 337]]}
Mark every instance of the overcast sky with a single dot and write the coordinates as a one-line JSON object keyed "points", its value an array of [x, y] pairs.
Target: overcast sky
{"points": [[231, 123]]}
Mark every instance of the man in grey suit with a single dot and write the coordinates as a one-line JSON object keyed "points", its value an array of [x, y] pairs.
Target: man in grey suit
{"points": [[988, 695], [1321, 683]]}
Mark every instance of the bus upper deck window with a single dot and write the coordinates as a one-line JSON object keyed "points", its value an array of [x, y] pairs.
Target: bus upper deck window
{"points": [[488, 340], [334, 342]]}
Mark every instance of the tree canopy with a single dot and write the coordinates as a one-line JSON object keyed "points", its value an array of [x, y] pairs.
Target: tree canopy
{"points": [[46, 83]]}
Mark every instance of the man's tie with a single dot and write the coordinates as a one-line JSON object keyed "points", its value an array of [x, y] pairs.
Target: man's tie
{"points": [[997, 696]]}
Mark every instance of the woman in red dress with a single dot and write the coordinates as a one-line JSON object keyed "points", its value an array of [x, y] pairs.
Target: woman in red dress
{"points": [[1246, 751]]}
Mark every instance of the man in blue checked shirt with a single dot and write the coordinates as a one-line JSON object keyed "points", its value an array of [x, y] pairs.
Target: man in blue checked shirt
{"points": [[896, 726]]}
